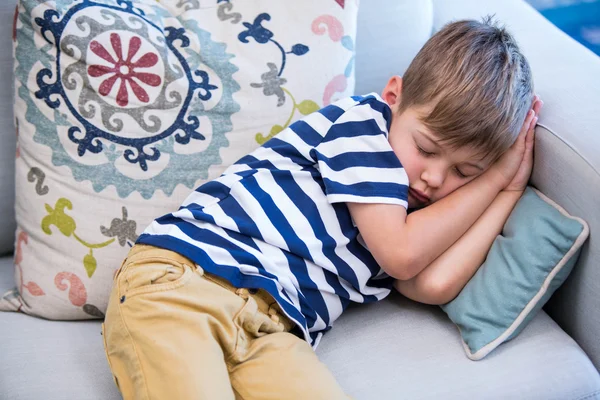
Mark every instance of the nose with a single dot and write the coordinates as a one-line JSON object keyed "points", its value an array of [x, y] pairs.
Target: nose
{"points": [[434, 176]]}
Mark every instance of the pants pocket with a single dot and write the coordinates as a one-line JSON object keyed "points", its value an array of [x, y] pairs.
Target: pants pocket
{"points": [[108, 358], [153, 275]]}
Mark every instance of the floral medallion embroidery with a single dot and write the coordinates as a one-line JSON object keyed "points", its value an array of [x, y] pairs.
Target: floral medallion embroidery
{"points": [[127, 101], [124, 70]]}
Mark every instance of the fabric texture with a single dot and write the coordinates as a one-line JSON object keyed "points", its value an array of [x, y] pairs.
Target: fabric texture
{"points": [[218, 341], [278, 220], [538, 247], [125, 106]]}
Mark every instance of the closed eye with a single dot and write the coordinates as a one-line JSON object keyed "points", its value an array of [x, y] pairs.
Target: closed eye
{"points": [[425, 153], [428, 154], [460, 174]]}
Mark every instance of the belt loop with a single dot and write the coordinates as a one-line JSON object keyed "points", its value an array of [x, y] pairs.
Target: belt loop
{"points": [[243, 293], [196, 267], [273, 313]]}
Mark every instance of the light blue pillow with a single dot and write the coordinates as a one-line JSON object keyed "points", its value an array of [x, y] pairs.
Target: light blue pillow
{"points": [[539, 246]]}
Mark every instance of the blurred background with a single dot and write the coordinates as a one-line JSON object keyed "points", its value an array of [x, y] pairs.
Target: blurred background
{"points": [[578, 18]]}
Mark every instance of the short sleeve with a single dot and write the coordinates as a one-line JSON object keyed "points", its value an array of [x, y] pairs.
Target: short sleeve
{"points": [[356, 160]]}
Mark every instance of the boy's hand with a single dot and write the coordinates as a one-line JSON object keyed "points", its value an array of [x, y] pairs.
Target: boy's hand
{"points": [[510, 162], [519, 181]]}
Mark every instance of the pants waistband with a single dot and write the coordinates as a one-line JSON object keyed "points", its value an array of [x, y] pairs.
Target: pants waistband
{"points": [[264, 300]]}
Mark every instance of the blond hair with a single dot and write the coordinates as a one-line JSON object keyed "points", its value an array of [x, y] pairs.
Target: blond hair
{"points": [[478, 82]]}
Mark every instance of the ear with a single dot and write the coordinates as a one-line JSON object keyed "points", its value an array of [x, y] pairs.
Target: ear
{"points": [[392, 93]]}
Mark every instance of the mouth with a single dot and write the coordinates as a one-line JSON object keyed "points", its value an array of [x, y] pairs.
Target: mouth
{"points": [[419, 196]]}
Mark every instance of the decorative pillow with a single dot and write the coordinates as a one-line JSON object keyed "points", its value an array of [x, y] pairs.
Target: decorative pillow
{"points": [[125, 106], [539, 246]]}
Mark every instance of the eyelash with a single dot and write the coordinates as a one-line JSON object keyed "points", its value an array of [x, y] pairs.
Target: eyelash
{"points": [[427, 154], [424, 153], [460, 174]]}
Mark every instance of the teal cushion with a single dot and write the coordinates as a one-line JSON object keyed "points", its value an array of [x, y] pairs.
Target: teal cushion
{"points": [[538, 247]]}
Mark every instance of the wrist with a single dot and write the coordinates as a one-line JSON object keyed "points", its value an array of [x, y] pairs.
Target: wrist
{"points": [[516, 193], [508, 199], [495, 179]]}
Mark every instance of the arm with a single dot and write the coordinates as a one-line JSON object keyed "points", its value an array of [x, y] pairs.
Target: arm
{"points": [[403, 245], [445, 277]]}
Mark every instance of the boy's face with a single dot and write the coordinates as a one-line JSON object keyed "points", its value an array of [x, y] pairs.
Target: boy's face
{"points": [[433, 170]]}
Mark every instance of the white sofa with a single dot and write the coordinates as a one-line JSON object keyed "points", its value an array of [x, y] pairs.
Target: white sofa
{"points": [[397, 349]]}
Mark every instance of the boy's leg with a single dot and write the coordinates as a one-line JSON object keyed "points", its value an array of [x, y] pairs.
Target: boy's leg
{"points": [[167, 328], [282, 366], [271, 363]]}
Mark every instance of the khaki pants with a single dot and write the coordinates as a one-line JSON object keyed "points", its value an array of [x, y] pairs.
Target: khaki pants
{"points": [[174, 332]]}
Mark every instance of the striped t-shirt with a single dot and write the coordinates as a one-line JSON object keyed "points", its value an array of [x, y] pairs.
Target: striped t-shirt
{"points": [[277, 219]]}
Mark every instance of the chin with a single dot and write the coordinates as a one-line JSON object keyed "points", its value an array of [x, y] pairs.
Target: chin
{"points": [[413, 207], [417, 206]]}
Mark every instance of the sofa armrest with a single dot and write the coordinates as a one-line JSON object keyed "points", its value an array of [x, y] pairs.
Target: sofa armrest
{"points": [[567, 165]]}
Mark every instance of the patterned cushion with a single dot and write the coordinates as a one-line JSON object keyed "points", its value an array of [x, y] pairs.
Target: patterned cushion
{"points": [[125, 106]]}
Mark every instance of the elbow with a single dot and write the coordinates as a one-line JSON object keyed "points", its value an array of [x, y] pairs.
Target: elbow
{"points": [[438, 293], [424, 291], [421, 283], [401, 265]]}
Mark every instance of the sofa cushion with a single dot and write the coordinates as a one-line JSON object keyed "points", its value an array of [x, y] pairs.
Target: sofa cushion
{"points": [[126, 106], [393, 349], [535, 253]]}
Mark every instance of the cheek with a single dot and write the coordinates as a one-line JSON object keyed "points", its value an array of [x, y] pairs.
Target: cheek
{"points": [[408, 155], [412, 164]]}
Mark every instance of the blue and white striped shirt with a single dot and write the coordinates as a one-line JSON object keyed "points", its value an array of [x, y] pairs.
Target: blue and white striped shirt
{"points": [[277, 218]]}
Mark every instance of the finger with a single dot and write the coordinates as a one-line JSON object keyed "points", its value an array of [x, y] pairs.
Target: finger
{"points": [[533, 123], [536, 98], [527, 124], [537, 106], [531, 133]]}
